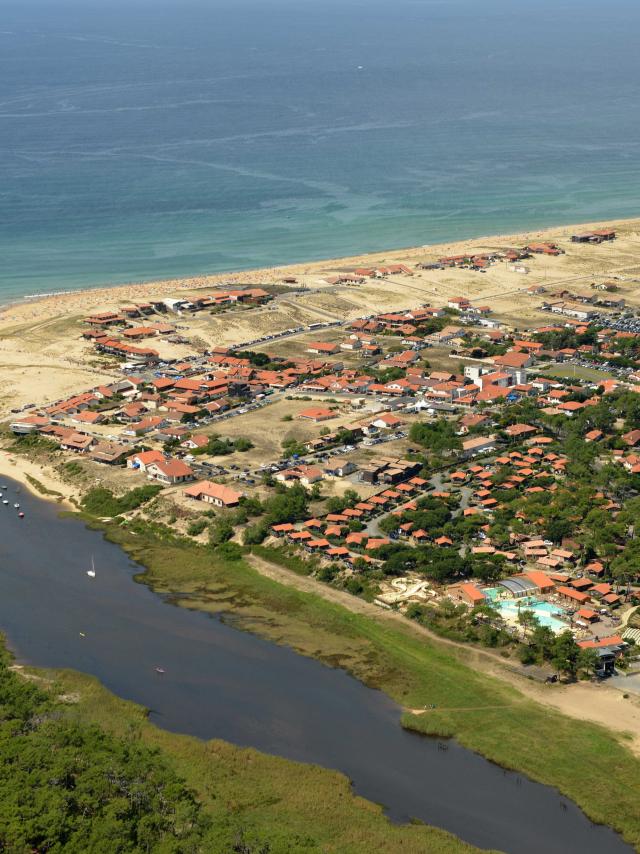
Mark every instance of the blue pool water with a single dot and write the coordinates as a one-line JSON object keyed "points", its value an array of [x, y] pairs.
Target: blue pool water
{"points": [[546, 612], [160, 138]]}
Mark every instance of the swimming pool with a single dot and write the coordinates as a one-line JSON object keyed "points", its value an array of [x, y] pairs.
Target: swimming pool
{"points": [[547, 614]]}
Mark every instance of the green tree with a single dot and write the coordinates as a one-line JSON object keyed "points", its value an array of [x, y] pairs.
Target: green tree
{"points": [[541, 641], [220, 531], [528, 620], [565, 654], [587, 661]]}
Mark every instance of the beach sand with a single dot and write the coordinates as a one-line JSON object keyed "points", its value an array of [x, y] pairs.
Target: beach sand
{"points": [[43, 357]]}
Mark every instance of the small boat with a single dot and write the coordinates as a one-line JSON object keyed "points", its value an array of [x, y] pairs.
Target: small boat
{"points": [[159, 670], [5, 501], [82, 635], [16, 506], [21, 515], [92, 572]]}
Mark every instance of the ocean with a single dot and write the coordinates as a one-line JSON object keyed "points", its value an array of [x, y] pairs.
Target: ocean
{"points": [[166, 138]]}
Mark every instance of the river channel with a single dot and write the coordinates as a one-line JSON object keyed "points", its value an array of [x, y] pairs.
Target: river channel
{"points": [[221, 682]]}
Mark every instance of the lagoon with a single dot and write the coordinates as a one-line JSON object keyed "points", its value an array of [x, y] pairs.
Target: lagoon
{"points": [[221, 682]]}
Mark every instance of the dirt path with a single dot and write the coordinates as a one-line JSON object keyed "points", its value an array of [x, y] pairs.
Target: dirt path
{"points": [[599, 704]]}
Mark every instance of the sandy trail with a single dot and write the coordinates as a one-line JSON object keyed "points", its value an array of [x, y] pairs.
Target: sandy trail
{"points": [[599, 704]]}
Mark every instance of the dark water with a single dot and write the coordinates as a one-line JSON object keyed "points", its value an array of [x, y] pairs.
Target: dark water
{"points": [[155, 138], [224, 683]]}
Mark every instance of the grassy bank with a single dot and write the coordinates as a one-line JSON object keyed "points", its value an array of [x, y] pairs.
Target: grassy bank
{"points": [[292, 807], [588, 763]]}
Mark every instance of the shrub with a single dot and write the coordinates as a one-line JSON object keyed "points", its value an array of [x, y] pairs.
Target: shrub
{"points": [[327, 573], [196, 527], [229, 551], [102, 502]]}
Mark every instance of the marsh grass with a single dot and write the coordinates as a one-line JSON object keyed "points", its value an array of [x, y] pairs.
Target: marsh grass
{"points": [[586, 762]]}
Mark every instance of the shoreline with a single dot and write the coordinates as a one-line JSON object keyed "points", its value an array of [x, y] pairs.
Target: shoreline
{"points": [[58, 492], [568, 700], [269, 275]]}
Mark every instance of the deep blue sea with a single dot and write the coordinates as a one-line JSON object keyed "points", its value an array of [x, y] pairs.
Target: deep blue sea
{"points": [[158, 138]]}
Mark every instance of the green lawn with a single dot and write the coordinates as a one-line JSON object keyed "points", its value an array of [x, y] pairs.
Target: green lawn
{"points": [[591, 765], [574, 372]]}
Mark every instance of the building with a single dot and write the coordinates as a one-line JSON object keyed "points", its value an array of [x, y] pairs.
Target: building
{"points": [[147, 425], [323, 348], [478, 445], [28, 424], [593, 236], [386, 421], [143, 459], [195, 442], [514, 361], [608, 651], [108, 453], [316, 413], [306, 475], [214, 493], [339, 467], [170, 471], [467, 593], [571, 309]]}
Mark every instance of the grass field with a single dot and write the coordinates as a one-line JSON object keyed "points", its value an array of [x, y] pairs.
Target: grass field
{"points": [[574, 372], [588, 763]]}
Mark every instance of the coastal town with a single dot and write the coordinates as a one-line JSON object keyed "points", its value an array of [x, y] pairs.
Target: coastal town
{"points": [[319, 428], [472, 462]]}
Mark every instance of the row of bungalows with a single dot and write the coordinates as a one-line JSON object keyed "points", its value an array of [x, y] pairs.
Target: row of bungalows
{"points": [[331, 537], [151, 330], [405, 322], [251, 296], [343, 382], [582, 591], [383, 272], [78, 442], [79, 407], [105, 318], [477, 261], [389, 470], [122, 350], [345, 279], [518, 586], [545, 248], [576, 310], [523, 470], [136, 310], [599, 236]]}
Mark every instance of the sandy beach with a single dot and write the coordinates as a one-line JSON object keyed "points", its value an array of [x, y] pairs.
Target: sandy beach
{"points": [[43, 356], [28, 473]]}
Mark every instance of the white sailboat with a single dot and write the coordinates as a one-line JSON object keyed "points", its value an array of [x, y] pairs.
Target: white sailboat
{"points": [[92, 572]]}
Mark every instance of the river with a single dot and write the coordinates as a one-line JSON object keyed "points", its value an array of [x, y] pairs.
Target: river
{"points": [[221, 682]]}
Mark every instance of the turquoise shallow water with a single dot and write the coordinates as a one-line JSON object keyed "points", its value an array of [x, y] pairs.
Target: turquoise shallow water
{"points": [[546, 612], [146, 139]]}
